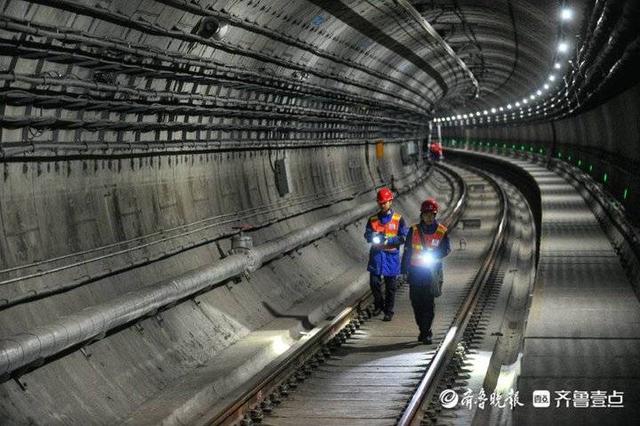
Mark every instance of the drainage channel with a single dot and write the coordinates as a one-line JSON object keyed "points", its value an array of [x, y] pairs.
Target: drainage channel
{"points": [[264, 394]]}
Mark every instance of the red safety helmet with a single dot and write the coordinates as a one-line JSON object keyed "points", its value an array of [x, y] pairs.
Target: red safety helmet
{"points": [[429, 205], [384, 195]]}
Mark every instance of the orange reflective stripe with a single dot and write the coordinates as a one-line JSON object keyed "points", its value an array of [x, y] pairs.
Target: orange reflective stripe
{"points": [[390, 229], [420, 242]]}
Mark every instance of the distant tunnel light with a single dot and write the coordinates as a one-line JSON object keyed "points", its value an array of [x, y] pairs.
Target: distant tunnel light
{"points": [[557, 65], [539, 92], [563, 46], [546, 87], [566, 14], [626, 194], [493, 110]]}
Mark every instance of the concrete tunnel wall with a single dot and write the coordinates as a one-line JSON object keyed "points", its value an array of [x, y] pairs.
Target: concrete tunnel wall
{"points": [[613, 127], [606, 137], [64, 207]]}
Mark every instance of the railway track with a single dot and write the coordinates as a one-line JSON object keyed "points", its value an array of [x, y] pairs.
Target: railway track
{"points": [[360, 370]]}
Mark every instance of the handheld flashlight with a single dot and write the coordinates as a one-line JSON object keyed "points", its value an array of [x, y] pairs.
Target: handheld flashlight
{"points": [[377, 238], [427, 258]]}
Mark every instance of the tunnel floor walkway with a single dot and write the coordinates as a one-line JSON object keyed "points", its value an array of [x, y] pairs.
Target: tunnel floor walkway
{"points": [[582, 340]]}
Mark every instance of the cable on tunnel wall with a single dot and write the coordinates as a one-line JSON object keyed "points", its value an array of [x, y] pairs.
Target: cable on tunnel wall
{"points": [[48, 99], [152, 29]]}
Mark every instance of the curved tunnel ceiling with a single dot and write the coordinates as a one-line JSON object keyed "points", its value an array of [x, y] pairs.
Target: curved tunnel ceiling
{"points": [[369, 52], [125, 121]]}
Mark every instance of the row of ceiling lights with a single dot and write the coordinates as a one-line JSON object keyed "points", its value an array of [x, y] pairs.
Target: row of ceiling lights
{"points": [[566, 14]]}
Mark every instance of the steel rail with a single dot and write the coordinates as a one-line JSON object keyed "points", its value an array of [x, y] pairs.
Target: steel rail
{"points": [[411, 414], [258, 391]]}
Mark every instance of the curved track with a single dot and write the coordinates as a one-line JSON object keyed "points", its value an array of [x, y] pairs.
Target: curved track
{"points": [[369, 372]]}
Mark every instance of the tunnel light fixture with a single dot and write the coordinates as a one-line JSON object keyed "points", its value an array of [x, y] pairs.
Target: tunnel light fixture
{"points": [[557, 65], [478, 113], [546, 87], [539, 92], [525, 101], [459, 117], [501, 109], [517, 104], [532, 97], [626, 194], [604, 178], [552, 77], [563, 47], [485, 112], [566, 14], [508, 106]]}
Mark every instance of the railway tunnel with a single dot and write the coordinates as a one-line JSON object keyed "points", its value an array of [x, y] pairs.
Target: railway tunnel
{"points": [[185, 186]]}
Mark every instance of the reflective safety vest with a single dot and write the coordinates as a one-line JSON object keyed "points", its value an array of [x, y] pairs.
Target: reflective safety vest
{"points": [[420, 242], [390, 229]]}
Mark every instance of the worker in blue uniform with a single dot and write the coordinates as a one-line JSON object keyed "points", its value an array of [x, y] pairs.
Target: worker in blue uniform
{"points": [[386, 232], [427, 243]]}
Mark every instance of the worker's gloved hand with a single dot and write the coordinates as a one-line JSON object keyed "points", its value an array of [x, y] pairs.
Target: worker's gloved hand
{"points": [[393, 241]]}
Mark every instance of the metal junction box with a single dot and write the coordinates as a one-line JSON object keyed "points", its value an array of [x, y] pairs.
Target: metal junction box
{"points": [[282, 176]]}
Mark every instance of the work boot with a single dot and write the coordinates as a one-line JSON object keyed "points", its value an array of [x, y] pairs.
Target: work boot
{"points": [[376, 312], [387, 317], [426, 338]]}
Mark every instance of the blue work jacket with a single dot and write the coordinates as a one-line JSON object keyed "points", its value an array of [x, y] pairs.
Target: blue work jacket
{"points": [[386, 262]]}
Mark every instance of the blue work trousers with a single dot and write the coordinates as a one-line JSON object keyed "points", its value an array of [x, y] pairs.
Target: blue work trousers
{"points": [[386, 302], [422, 301]]}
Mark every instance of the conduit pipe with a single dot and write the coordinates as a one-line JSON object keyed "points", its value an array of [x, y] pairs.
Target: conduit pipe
{"points": [[433, 34], [31, 348], [94, 322]]}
